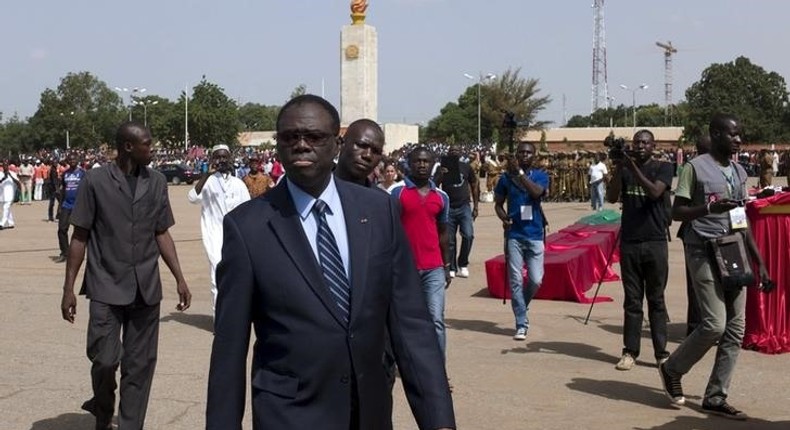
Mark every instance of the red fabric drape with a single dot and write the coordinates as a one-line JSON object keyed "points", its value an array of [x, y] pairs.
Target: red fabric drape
{"points": [[574, 260], [768, 315]]}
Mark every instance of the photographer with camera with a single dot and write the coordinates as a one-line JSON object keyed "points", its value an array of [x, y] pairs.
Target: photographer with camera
{"points": [[217, 192], [642, 184], [710, 199], [524, 187]]}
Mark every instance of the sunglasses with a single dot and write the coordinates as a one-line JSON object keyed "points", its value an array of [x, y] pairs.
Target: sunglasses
{"points": [[312, 138]]}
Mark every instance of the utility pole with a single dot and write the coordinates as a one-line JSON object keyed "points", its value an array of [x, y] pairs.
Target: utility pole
{"points": [[668, 51]]}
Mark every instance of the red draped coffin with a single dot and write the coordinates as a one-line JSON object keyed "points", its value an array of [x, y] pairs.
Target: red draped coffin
{"points": [[575, 258], [768, 315]]}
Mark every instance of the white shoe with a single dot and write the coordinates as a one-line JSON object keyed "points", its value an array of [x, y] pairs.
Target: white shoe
{"points": [[452, 273], [521, 334], [463, 272], [626, 362]]}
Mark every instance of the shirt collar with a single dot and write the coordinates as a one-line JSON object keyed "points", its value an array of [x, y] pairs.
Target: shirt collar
{"points": [[304, 202], [409, 184]]}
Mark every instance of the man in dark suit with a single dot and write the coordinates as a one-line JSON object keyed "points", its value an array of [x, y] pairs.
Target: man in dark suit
{"points": [[122, 216], [334, 273]]}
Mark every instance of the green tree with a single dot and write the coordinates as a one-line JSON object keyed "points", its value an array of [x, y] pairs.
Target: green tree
{"points": [[158, 113], [757, 97], [213, 116], [82, 105], [509, 92], [300, 90], [257, 117], [15, 136]]}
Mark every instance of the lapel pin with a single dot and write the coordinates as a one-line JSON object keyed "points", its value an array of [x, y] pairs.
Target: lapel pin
{"points": [[363, 221]]}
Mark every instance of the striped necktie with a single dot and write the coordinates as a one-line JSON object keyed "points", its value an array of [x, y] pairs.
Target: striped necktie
{"points": [[331, 263]]}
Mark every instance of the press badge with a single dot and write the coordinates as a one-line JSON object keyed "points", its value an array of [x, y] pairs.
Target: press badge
{"points": [[738, 218], [526, 212]]}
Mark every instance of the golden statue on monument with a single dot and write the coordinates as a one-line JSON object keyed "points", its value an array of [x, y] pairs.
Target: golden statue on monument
{"points": [[358, 8]]}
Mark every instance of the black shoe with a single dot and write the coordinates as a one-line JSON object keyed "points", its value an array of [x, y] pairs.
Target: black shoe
{"points": [[671, 384], [62, 259], [724, 410], [101, 423]]}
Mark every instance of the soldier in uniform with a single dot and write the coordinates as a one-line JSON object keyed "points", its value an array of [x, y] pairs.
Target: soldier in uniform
{"points": [[766, 168]]}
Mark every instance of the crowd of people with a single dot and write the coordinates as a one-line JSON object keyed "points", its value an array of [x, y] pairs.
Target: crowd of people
{"points": [[361, 243]]}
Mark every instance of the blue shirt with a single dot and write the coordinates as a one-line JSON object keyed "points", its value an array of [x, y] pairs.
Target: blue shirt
{"points": [[71, 182], [334, 217], [518, 197]]}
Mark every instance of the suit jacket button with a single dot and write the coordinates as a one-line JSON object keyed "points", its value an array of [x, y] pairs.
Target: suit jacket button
{"points": [[344, 379]]}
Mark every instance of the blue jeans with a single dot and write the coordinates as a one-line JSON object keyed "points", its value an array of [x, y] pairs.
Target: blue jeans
{"points": [[433, 282], [461, 217], [596, 195], [520, 252]]}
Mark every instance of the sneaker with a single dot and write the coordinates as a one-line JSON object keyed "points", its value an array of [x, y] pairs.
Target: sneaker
{"points": [[660, 361], [463, 272], [671, 385], [521, 334], [724, 410], [452, 273], [626, 362], [60, 259]]}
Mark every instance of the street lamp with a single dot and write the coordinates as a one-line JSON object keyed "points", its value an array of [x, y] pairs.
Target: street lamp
{"points": [[633, 96], [68, 142], [479, 79], [132, 92], [144, 103]]}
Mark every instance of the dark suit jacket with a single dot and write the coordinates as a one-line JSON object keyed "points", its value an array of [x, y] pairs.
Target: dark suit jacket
{"points": [[306, 363], [122, 251]]}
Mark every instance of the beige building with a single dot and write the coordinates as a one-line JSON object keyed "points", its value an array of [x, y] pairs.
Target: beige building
{"points": [[591, 138]]}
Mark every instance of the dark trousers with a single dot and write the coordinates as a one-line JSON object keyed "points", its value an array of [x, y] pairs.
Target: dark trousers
{"points": [[63, 230], [51, 208], [461, 218], [127, 336], [644, 267]]}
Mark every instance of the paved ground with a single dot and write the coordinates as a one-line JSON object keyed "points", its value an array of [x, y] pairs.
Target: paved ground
{"points": [[562, 377]]}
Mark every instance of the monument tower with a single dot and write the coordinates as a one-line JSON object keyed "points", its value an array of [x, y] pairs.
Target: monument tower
{"points": [[358, 67]]}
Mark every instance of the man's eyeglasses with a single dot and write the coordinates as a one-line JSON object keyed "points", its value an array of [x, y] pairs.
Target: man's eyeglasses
{"points": [[312, 138]]}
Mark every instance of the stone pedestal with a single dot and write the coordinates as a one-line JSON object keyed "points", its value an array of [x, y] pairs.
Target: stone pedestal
{"points": [[358, 73]]}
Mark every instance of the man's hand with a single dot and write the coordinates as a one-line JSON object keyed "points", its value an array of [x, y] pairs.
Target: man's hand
{"points": [[68, 306], [629, 163], [512, 166], [474, 212], [184, 296], [766, 284], [506, 223], [722, 206]]}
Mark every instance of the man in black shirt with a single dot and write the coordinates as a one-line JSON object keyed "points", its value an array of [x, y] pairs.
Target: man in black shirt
{"points": [[459, 182], [642, 184]]}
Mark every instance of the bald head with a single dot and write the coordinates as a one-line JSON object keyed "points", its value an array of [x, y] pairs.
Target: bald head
{"points": [[128, 132], [133, 141]]}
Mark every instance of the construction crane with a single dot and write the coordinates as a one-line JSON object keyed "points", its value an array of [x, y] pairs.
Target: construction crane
{"points": [[668, 51]]}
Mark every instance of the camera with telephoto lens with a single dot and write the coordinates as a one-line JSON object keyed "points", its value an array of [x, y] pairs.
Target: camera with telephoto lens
{"points": [[618, 149]]}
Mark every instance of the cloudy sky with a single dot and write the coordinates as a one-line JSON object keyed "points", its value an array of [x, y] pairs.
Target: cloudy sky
{"points": [[259, 50]]}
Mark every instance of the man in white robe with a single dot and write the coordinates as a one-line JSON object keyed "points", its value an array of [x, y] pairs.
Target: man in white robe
{"points": [[218, 192]]}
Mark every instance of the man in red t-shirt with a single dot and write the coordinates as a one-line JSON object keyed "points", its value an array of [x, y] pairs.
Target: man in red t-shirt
{"points": [[424, 215]]}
